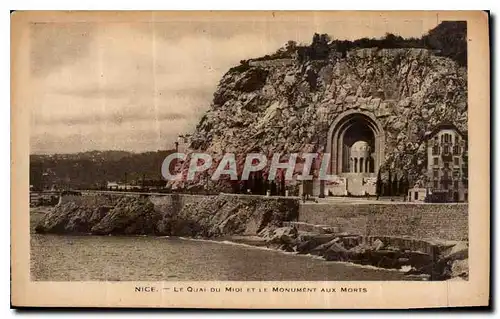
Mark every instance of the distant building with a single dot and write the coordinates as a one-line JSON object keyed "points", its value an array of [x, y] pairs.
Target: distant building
{"points": [[182, 143], [112, 186], [447, 165]]}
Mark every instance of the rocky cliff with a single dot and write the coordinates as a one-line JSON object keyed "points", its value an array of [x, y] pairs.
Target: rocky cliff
{"points": [[288, 106], [173, 215]]}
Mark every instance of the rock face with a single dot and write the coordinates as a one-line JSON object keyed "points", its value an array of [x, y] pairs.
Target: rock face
{"points": [[71, 218], [289, 107], [207, 216], [130, 216], [228, 215]]}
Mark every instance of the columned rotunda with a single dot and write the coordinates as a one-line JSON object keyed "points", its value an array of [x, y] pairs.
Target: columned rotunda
{"points": [[360, 157]]}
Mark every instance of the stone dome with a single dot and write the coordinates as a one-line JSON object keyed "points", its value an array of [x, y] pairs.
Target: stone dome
{"points": [[360, 149]]}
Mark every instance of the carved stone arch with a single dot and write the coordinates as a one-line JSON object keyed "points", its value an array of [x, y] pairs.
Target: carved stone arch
{"points": [[336, 136]]}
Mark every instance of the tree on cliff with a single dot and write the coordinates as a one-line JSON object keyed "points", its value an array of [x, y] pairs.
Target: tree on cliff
{"points": [[255, 183], [404, 185], [389, 184], [395, 185], [392, 41], [291, 46], [273, 188], [282, 185], [265, 186], [244, 187], [258, 184], [379, 185], [318, 50], [250, 183], [235, 187], [319, 46]]}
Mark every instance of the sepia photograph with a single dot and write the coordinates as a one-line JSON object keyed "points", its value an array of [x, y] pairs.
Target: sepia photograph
{"points": [[283, 147]]}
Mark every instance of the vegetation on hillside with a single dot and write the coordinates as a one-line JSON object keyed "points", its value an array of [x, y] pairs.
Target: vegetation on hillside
{"points": [[448, 39]]}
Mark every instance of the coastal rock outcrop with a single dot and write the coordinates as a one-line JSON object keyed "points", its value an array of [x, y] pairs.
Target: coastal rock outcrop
{"points": [[200, 216], [71, 218], [130, 216], [225, 214]]}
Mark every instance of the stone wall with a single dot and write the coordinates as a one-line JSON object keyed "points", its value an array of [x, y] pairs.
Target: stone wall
{"points": [[90, 200], [420, 221], [168, 201], [271, 63]]}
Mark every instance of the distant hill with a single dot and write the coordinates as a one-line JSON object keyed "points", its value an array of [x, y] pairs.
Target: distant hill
{"points": [[95, 168]]}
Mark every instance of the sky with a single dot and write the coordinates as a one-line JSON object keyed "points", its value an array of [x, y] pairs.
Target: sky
{"points": [[136, 85]]}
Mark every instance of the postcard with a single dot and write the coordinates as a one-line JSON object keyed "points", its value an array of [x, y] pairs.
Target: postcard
{"points": [[250, 159]]}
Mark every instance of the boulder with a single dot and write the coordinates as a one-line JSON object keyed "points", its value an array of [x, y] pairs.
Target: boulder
{"points": [[459, 251], [460, 268], [304, 236], [336, 252], [286, 247], [417, 259], [454, 262], [377, 245], [266, 233], [282, 235], [384, 258], [350, 241], [307, 246], [358, 253], [320, 250]]}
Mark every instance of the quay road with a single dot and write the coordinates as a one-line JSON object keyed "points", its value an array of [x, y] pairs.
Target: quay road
{"points": [[315, 201]]}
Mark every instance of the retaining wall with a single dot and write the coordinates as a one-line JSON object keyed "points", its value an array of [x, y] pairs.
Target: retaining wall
{"points": [[88, 200], [420, 221], [272, 63]]}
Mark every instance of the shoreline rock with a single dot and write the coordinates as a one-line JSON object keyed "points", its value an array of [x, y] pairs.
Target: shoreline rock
{"points": [[449, 261]]}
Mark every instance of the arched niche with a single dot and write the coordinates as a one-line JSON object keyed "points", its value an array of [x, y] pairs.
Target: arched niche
{"points": [[349, 127]]}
